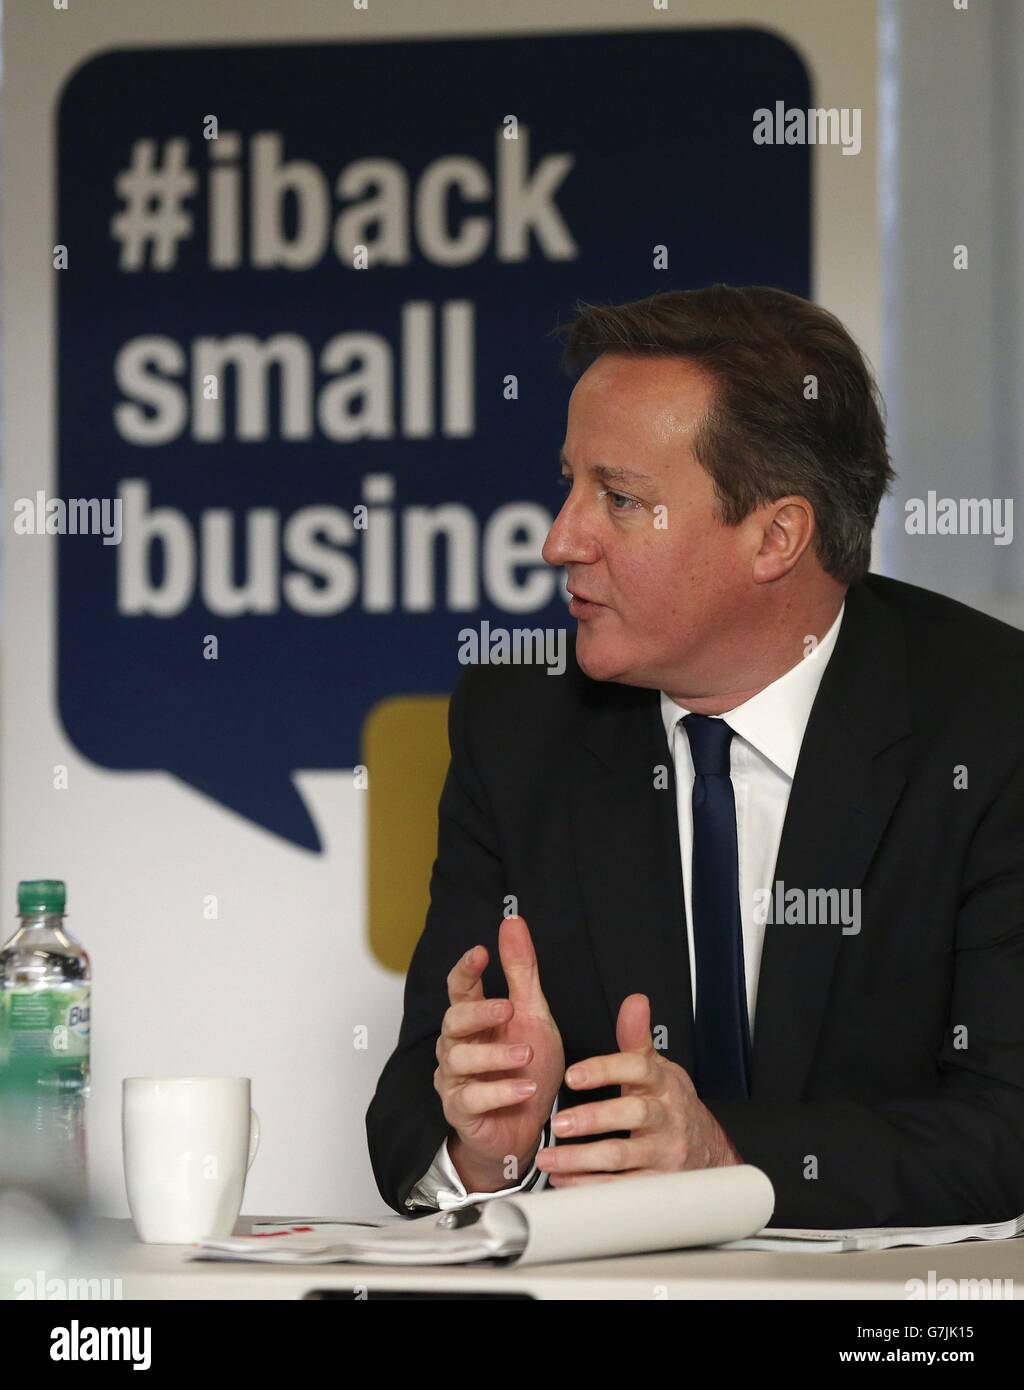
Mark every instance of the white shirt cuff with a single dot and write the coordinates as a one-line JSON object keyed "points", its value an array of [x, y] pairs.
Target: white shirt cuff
{"points": [[441, 1188]]}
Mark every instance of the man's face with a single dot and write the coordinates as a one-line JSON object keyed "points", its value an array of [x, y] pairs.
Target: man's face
{"points": [[660, 582]]}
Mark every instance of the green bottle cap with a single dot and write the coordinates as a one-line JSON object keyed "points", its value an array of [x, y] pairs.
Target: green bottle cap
{"points": [[40, 895]]}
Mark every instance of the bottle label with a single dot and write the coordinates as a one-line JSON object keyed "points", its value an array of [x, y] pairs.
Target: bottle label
{"points": [[45, 1024]]}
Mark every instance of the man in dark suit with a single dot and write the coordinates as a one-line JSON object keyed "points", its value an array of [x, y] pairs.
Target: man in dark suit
{"points": [[767, 829]]}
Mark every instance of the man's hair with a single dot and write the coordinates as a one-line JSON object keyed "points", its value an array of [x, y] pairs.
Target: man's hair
{"points": [[770, 431]]}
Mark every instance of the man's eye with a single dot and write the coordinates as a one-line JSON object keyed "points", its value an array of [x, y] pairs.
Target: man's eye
{"points": [[618, 497], [564, 482]]}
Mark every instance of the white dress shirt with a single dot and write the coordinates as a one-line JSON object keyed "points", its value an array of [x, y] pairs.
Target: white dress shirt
{"points": [[768, 730]]}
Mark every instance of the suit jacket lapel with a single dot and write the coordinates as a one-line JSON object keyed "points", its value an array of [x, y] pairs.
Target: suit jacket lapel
{"points": [[627, 851], [848, 780]]}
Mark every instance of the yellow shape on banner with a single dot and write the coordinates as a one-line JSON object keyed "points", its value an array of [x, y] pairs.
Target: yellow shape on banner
{"points": [[405, 752]]}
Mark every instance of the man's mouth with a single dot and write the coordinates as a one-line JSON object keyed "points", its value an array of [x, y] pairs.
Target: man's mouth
{"points": [[580, 606]]}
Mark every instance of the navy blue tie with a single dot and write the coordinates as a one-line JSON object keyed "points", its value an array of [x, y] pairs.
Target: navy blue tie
{"points": [[722, 1029]]}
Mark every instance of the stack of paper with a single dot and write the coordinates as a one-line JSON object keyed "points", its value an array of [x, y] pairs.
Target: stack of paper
{"points": [[669, 1211], [724, 1207], [875, 1237]]}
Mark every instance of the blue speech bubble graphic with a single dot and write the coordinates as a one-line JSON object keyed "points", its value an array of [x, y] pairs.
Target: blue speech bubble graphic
{"points": [[303, 336]]}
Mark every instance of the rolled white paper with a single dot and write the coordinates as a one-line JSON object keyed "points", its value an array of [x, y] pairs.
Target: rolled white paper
{"points": [[668, 1211]]}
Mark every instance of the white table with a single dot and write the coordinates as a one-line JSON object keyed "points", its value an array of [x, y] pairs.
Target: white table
{"points": [[167, 1272]]}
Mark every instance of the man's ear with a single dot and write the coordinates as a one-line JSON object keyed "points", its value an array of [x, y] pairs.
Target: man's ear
{"points": [[787, 529]]}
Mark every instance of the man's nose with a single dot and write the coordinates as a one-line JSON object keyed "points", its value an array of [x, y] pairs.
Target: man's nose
{"points": [[569, 541]]}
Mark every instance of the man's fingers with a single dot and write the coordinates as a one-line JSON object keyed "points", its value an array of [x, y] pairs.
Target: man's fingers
{"points": [[602, 1116], [478, 1097], [474, 1016], [519, 961], [580, 1179], [464, 977], [633, 1025], [613, 1069], [469, 1059], [600, 1156]]}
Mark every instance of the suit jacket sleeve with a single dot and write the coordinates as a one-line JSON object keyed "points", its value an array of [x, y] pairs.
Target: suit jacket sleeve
{"points": [[954, 1152], [405, 1123]]}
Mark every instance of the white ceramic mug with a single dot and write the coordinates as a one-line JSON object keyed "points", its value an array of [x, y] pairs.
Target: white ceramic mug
{"points": [[189, 1142]]}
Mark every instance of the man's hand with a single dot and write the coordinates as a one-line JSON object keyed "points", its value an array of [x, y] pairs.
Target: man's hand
{"points": [[488, 1051], [670, 1129]]}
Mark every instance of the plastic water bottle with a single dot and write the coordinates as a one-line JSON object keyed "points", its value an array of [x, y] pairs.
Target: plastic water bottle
{"points": [[45, 986], [45, 979]]}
